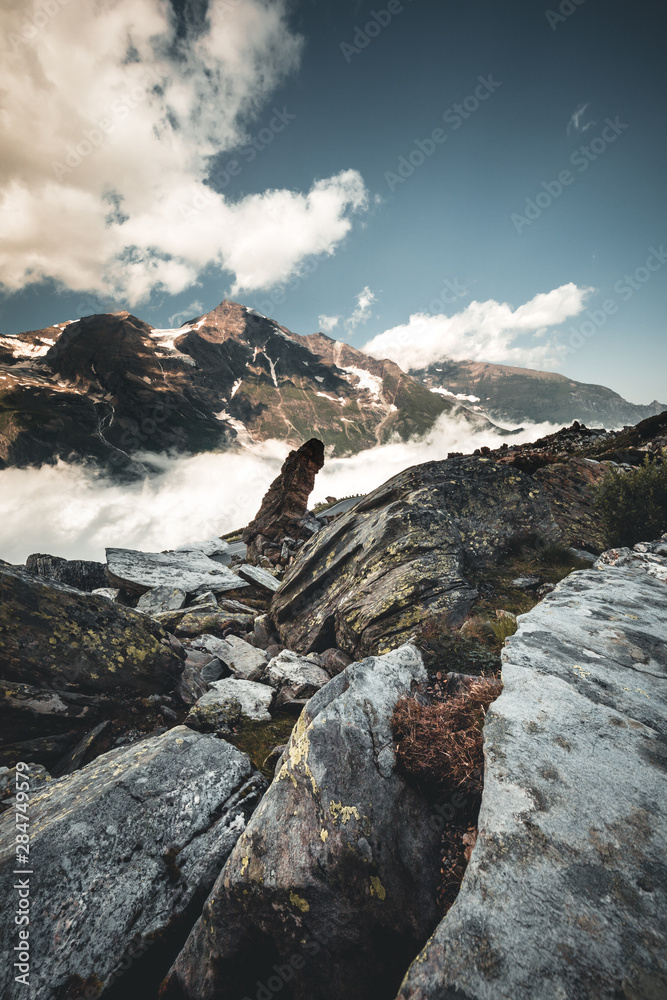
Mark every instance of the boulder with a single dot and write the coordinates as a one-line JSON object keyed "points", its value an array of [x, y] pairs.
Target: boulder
{"points": [[402, 555], [570, 487], [111, 593], [245, 661], [123, 851], [196, 621], [228, 701], [52, 635], [286, 502], [259, 577], [565, 894], [210, 547], [80, 573], [190, 571], [160, 599], [334, 661], [334, 879], [296, 677], [648, 557]]}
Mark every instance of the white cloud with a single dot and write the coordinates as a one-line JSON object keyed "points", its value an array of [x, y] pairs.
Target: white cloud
{"points": [[109, 123], [195, 308], [328, 323], [483, 331], [86, 513], [362, 312], [576, 122]]}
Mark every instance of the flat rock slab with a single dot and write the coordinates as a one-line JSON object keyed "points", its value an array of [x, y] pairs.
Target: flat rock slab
{"points": [[260, 577], [335, 876], [296, 677], [119, 850], [190, 571], [246, 662], [53, 635], [649, 557], [254, 700], [161, 599], [565, 896]]}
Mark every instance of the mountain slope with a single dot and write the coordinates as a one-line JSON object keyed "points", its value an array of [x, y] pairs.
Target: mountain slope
{"points": [[516, 395], [110, 388]]}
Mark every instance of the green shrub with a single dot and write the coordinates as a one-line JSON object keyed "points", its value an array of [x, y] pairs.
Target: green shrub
{"points": [[632, 504]]}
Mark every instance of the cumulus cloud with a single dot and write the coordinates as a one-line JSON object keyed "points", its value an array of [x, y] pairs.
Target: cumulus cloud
{"points": [[483, 331], [87, 513], [577, 123], [195, 308], [328, 324], [361, 314], [111, 119]]}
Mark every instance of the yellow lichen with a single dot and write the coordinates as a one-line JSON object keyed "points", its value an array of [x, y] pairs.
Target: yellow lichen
{"points": [[324, 834], [377, 889], [343, 813], [300, 903]]}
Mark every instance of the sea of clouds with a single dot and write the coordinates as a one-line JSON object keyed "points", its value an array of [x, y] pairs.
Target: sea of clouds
{"points": [[69, 510]]}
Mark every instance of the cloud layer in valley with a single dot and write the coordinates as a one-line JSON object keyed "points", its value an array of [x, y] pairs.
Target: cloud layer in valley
{"points": [[484, 331], [193, 498], [111, 118]]}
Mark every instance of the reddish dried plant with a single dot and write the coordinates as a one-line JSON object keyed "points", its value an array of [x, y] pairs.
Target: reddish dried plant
{"points": [[441, 743]]}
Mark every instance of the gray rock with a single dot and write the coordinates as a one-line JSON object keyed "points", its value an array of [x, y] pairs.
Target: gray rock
{"points": [[582, 554], [122, 848], [190, 571], [338, 867], [245, 661], [161, 599], [295, 677], [263, 633], [565, 894], [191, 685], [526, 582], [647, 557], [253, 700], [210, 547], [54, 636], [401, 555], [259, 577], [205, 600], [111, 593], [213, 671]]}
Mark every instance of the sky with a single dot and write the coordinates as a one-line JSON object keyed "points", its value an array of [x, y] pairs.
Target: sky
{"points": [[422, 179]]}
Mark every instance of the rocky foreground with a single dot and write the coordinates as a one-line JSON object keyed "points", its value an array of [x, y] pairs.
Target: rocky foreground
{"points": [[221, 805]]}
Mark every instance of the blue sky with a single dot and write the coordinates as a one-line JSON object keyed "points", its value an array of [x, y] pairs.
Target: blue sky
{"points": [[325, 175]]}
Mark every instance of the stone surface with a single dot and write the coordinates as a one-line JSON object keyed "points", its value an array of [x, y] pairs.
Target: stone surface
{"points": [[402, 553], [338, 867], [124, 848], [258, 576], [235, 699], [565, 895], [570, 487], [79, 573], [286, 500], [210, 547], [53, 635], [296, 677], [334, 661], [649, 557], [160, 599], [111, 593], [191, 571], [196, 621], [245, 661]]}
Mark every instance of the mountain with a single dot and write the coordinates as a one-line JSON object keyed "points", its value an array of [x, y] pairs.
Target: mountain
{"points": [[110, 388], [517, 395]]}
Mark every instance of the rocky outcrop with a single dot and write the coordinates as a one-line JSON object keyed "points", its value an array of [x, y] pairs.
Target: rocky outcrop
{"points": [[79, 573], [54, 636], [123, 852], [570, 488], [404, 552], [190, 571], [565, 894], [286, 501], [650, 557], [332, 885]]}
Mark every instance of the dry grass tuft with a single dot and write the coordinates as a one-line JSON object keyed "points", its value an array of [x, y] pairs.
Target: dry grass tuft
{"points": [[441, 744]]}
